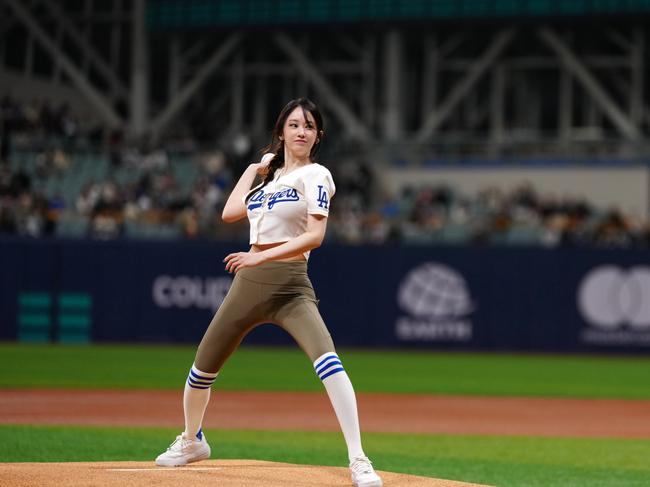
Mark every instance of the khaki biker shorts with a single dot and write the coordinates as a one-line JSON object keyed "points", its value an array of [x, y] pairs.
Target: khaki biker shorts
{"points": [[273, 292]]}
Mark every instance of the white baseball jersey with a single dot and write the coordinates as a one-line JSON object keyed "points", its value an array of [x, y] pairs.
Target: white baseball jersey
{"points": [[278, 211]]}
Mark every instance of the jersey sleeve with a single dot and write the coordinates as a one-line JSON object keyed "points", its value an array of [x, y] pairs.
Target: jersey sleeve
{"points": [[319, 189]]}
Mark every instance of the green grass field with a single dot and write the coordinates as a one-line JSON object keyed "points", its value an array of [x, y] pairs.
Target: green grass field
{"points": [[288, 369], [502, 461]]}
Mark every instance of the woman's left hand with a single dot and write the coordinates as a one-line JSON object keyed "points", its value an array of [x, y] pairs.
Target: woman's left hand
{"points": [[239, 260]]}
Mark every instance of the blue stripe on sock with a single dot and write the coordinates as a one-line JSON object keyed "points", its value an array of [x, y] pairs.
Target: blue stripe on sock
{"points": [[198, 385], [204, 382], [324, 363], [199, 434], [326, 359], [197, 376], [327, 366], [199, 382], [332, 372]]}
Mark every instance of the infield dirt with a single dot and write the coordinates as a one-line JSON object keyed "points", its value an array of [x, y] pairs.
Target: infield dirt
{"points": [[308, 411], [312, 412], [222, 473]]}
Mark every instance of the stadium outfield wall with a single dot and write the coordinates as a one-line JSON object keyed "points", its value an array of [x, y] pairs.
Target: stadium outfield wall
{"points": [[423, 297]]}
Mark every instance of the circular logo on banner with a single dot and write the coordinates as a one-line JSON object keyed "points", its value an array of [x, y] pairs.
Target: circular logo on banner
{"points": [[434, 290], [610, 297]]}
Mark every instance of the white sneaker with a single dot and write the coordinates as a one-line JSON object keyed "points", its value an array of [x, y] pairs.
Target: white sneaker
{"points": [[183, 451], [363, 475]]}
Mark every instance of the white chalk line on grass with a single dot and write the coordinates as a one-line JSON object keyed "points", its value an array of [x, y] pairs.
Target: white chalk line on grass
{"points": [[162, 469]]}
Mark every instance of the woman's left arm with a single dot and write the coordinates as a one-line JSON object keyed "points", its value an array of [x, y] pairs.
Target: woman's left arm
{"points": [[311, 239]]}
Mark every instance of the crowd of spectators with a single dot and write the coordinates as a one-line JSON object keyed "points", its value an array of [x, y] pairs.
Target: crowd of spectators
{"points": [[153, 197], [49, 139], [40, 122], [437, 214], [156, 198], [22, 211]]}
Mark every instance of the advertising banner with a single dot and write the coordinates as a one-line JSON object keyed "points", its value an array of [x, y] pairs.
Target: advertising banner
{"points": [[403, 297]]}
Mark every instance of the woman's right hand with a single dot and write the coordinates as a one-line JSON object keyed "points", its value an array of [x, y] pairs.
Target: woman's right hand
{"points": [[263, 165]]}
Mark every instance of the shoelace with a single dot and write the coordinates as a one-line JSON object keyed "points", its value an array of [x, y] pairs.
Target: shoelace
{"points": [[183, 443], [361, 465]]}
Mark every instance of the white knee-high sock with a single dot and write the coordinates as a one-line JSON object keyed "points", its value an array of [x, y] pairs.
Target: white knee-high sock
{"points": [[341, 394], [195, 400]]}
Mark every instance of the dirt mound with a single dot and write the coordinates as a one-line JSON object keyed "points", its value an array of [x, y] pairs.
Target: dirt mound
{"points": [[222, 473]]}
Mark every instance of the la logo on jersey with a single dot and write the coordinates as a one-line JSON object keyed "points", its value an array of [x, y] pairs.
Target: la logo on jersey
{"points": [[322, 198]]}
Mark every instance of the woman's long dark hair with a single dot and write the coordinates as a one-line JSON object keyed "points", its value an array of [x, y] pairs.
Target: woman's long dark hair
{"points": [[277, 146]]}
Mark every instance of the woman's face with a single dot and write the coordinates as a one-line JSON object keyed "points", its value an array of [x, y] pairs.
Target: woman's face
{"points": [[299, 134]]}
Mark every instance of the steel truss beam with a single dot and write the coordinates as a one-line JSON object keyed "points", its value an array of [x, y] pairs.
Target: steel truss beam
{"points": [[353, 125], [192, 86], [571, 62], [464, 89], [139, 103], [393, 81], [87, 49], [103, 106], [480, 66]]}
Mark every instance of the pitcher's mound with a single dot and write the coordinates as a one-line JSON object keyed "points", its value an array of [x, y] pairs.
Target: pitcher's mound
{"points": [[222, 473]]}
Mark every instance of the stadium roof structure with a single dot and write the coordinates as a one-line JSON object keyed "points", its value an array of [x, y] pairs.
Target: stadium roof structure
{"points": [[533, 78]]}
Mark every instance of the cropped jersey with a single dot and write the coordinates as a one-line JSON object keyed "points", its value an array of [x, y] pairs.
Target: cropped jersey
{"points": [[278, 211]]}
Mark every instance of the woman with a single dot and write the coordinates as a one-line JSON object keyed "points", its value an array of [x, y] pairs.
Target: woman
{"points": [[288, 217]]}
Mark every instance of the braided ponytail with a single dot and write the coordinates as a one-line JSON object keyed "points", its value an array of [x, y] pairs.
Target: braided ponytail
{"points": [[275, 164], [277, 148]]}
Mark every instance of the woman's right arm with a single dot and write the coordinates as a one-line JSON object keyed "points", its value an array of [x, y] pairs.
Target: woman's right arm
{"points": [[235, 209]]}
